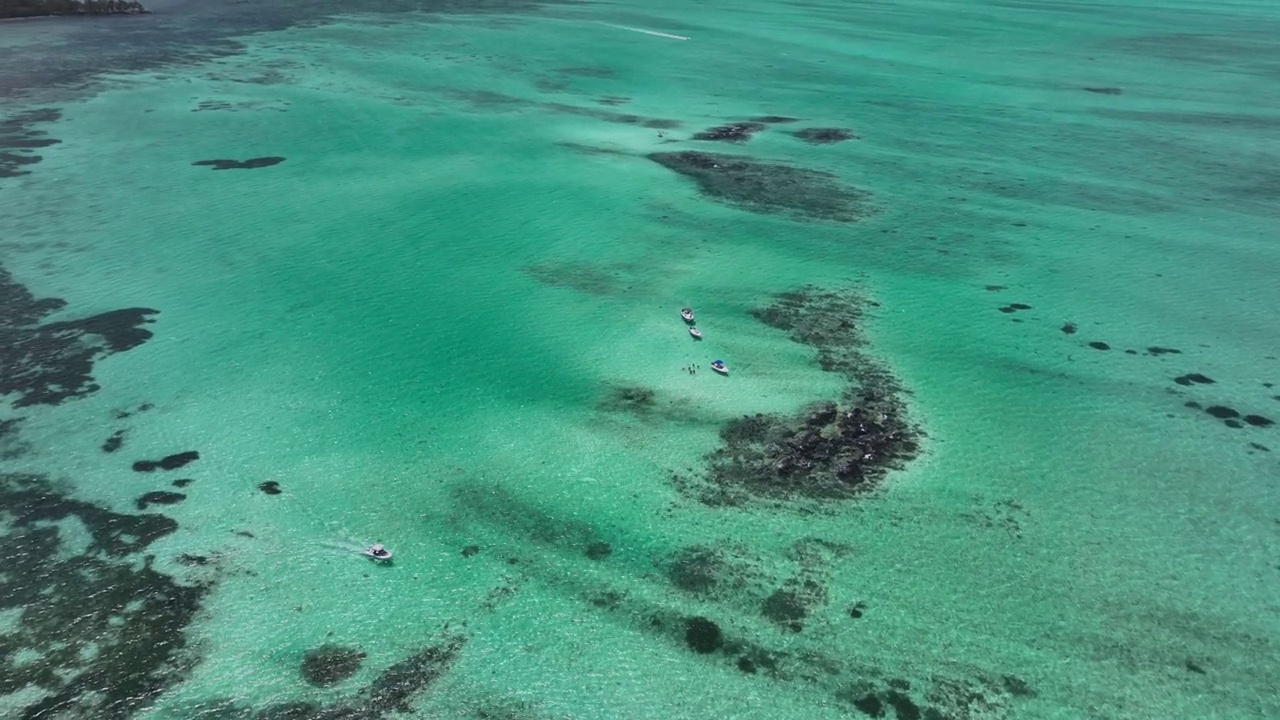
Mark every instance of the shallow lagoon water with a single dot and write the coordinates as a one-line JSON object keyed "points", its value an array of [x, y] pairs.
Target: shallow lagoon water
{"points": [[419, 325]]}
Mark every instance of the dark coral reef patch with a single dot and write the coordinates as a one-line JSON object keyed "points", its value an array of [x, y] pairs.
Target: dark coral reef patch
{"points": [[832, 450], [45, 364], [110, 631], [768, 188], [158, 497], [330, 664], [168, 462], [250, 164], [733, 132], [18, 139], [825, 136]]}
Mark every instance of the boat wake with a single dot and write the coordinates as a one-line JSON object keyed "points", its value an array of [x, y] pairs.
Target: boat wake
{"points": [[654, 33], [345, 546]]}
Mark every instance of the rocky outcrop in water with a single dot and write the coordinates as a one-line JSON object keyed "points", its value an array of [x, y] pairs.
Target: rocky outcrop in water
{"points": [[47, 364], [19, 139], [768, 188], [250, 164], [830, 451], [67, 597], [43, 8]]}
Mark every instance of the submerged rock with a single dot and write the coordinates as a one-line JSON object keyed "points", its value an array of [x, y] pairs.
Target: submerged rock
{"points": [[832, 450], [598, 550], [50, 363], [825, 136], [330, 664], [702, 635], [114, 442], [250, 164], [1193, 379], [108, 599], [696, 569], [168, 462], [634, 399], [735, 132], [398, 684], [159, 497], [768, 188], [18, 138]]}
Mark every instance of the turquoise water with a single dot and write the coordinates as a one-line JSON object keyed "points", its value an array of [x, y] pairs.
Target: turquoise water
{"points": [[418, 323]]}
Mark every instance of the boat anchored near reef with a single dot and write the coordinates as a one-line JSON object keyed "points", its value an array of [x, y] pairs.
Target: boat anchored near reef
{"points": [[720, 367], [377, 552]]}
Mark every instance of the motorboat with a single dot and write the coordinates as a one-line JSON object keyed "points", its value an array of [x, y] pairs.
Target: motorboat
{"points": [[696, 333], [687, 314], [720, 367], [377, 552]]}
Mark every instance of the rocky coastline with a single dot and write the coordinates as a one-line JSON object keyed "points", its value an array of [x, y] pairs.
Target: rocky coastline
{"points": [[14, 9]]}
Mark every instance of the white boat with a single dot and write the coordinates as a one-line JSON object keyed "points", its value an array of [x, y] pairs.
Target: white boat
{"points": [[377, 552], [695, 332], [687, 314], [720, 367]]}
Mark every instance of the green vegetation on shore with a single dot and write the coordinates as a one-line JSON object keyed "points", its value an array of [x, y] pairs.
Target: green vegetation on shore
{"points": [[37, 8]]}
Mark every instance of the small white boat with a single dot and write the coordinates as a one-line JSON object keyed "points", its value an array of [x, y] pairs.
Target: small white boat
{"points": [[720, 367], [695, 332], [687, 314], [377, 552]]}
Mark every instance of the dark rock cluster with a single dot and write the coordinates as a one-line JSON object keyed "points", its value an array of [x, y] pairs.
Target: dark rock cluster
{"points": [[45, 364], [107, 596], [825, 136], [1193, 379], [832, 450], [733, 132], [829, 452], [158, 497], [11, 445], [18, 139], [113, 443], [633, 399], [768, 188], [390, 693], [597, 550], [697, 569], [250, 164], [330, 664], [168, 462], [789, 606], [702, 635]]}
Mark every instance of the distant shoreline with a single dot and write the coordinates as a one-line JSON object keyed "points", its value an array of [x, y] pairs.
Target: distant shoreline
{"points": [[31, 9]]}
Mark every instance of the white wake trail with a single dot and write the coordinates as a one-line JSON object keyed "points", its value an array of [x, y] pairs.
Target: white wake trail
{"points": [[655, 33]]}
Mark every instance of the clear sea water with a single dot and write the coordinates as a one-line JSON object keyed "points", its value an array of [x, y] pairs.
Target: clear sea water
{"points": [[412, 324]]}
